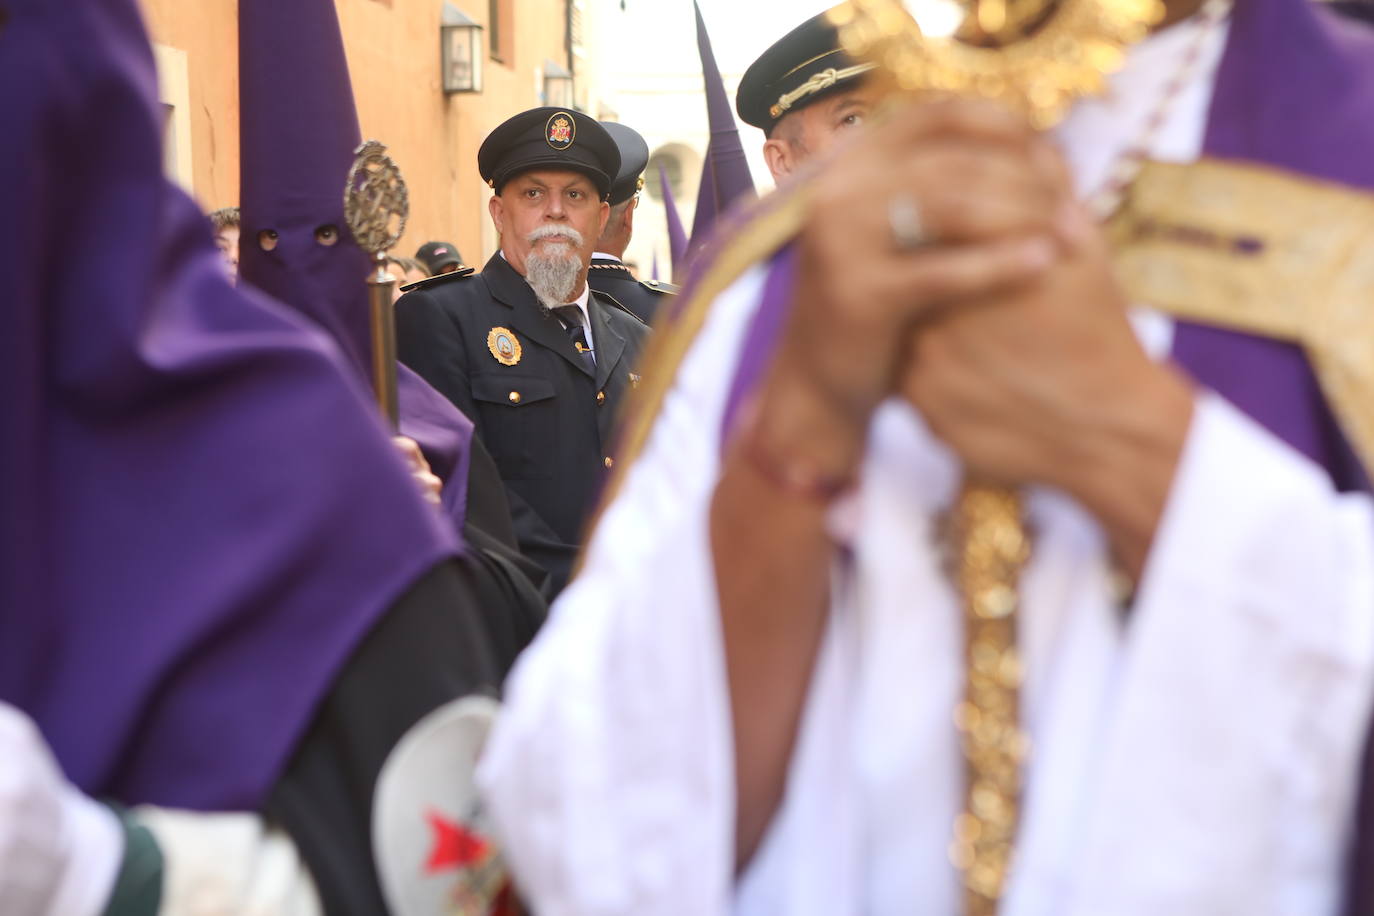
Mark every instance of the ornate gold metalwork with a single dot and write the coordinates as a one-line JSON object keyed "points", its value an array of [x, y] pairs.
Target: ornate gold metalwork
{"points": [[989, 547], [1039, 73], [376, 206], [1264, 252], [376, 200]]}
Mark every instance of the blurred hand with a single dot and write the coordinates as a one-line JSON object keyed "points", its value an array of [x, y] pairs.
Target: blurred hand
{"points": [[1048, 384], [430, 485], [987, 192]]}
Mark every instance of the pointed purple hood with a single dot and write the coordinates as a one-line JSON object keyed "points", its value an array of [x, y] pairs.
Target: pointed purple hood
{"points": [[725, 176], [299, 131], [203, 515], [677, 238]]}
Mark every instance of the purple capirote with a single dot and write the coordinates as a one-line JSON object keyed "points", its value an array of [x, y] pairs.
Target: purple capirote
{"points": [[725, 177], [299, 130], [203, 515]]}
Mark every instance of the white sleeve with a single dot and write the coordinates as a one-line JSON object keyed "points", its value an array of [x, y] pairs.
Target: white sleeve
{"points": [[1245, 687], [610, 774], [59, 850], [229, 862]]}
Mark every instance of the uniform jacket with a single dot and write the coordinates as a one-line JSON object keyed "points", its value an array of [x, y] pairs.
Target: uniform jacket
{"points": [[643, 297], [543, 416]]}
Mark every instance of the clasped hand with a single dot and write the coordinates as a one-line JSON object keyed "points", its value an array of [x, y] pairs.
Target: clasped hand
{"points": [[1005, 327]]}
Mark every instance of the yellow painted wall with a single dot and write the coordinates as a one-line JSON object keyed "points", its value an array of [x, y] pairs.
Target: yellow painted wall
{"points": [[393, 55], [207, 32]]}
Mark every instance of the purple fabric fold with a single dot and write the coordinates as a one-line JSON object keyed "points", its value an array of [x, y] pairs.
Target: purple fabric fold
{"points": [[299, 132], [761, 338], [203, 514]]}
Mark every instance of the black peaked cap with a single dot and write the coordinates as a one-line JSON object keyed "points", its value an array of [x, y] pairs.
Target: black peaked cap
{"points": [[435, 255], [802, 67], [549, 138], [634, 156]]}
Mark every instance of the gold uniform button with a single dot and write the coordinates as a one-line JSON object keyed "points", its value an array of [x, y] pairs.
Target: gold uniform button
{"points": [[601, 397], [609, 461], [514, 397]]}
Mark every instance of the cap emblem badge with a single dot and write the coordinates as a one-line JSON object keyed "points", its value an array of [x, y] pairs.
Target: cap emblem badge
{"points": [[560, 131], [503, 346]]}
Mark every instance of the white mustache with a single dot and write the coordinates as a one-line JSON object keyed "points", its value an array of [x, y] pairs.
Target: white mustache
{"points": [[548, 231]]}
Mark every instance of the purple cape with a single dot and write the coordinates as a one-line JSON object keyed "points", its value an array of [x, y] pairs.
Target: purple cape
{"points": [[1295, 90], [299, 129], [203, 514]]}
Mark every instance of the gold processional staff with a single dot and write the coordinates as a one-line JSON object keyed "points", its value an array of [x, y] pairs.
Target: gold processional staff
{"points": [[1037, 57], [376, 206]]}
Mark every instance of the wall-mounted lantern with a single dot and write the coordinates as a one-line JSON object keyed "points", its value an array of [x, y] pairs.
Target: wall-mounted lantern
{"points": [[460, 51], [558, 86]]}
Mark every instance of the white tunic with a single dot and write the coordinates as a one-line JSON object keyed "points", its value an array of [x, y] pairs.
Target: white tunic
{"points": [[59, 850], [1199, 758]]}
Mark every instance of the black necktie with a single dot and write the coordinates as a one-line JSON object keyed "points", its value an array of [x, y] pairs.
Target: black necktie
{"points": [[575, 324]]}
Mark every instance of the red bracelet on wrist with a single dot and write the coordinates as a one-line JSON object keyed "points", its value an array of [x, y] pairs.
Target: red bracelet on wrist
{"points": [[793, 475]]}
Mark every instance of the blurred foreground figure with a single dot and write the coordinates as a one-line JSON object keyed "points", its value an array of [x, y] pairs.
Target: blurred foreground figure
{"points": [[756, 689], [62, 852], [220, 587]]}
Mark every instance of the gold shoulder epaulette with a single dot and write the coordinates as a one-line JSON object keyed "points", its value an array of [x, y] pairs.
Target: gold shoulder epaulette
{"points": [[660, 286]]}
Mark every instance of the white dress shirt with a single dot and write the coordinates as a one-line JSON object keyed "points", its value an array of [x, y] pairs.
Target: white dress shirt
{"points": [[1198, 759]]}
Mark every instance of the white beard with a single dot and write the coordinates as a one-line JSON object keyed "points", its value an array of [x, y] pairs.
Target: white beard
{"points": [[552, 274], [551, 270]]}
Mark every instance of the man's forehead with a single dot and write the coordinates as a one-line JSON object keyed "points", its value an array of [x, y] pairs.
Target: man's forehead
{"points": [[861, 94], [551, 178]]}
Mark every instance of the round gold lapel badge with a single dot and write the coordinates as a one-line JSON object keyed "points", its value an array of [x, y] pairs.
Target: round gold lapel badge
{"points": [[504, 346]]}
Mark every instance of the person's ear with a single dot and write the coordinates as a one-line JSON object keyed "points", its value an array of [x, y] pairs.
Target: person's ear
{"points": [[497, 209], [781, 158]]}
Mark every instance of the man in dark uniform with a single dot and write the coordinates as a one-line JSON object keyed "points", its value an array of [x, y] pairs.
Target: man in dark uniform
{"points": [[608, 273], [804, 92], [537, 359]]}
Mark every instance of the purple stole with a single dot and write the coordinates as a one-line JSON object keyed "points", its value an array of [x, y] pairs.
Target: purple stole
{"points": [[1295, 90]]}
